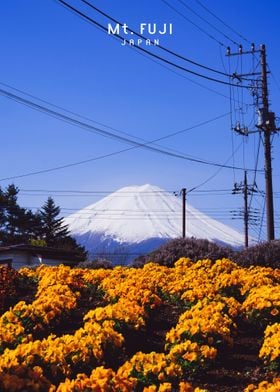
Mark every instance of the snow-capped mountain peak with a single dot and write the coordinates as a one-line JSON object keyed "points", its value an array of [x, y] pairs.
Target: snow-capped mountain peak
{"points": [[135, 214]]}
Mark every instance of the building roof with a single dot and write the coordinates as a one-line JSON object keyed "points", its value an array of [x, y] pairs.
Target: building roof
{"points": [[51, 253]]}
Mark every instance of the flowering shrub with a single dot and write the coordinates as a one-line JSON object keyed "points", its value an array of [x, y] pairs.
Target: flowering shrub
{"points": [[257, 277], [100, 379], [190, 356], [7, 285], [58, 356], [207, 322], [152, 368], [273, 386], [18, 323], [263, 305], [124, 312], [184, 386], [207, 300], [270, 350]]}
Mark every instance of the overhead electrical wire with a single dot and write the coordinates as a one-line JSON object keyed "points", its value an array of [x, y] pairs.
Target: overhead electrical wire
{"points": [[222, 21], [112, 128], [103, 28], [122, 194], [137, 214], [93, 129], [70, 111], [193, 23], [215, 173], [274, 78], [159, 46], [255, 172], [108, 192], [184, 76], [119, 196], [126, 218], [262, 219], [108, 126], [207, 22]]}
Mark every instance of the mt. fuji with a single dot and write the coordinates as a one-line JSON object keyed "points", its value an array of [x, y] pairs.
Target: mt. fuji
{"points": [[137, 219]]}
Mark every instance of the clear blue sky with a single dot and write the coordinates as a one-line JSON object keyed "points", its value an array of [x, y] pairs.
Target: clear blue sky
{"points": [[52, 54]]}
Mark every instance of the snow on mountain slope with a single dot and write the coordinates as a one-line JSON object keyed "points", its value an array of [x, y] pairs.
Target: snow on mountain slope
{"points": [[139, 213]]}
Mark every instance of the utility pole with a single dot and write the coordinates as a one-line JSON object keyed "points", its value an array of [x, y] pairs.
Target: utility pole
{"points": [[246, 215], [183, 193], [246, 190], [266, 124]]}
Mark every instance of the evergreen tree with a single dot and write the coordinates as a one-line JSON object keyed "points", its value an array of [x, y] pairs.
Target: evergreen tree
{"points": [[53, 230], [2, 216], [13, 213], [17, 225]]}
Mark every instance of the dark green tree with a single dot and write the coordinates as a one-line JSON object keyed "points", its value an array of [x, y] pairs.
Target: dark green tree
{"points": [[2, 215], [17, 224], [52, 228], [54, 232]]}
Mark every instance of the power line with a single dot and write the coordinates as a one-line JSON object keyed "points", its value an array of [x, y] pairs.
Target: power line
{"points": [[222, 21], [206, 21], [193, 23], [214, 174], [86, 210], [191, 216], [274, 77], [110, 127], [93, 129], [108, 192], [103, 28], [114, 129], [179, 74], [98, 192], [139, 216], [69, 111], [255, 172], [123, 196], [184, 76], [159, 46]]}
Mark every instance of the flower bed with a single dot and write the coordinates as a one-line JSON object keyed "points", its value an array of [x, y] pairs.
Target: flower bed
{"points": [[211, 312]]}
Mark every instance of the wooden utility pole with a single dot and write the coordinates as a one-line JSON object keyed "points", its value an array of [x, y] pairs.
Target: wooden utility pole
{"points": [[246, 214], [183, 193], [266, 124]]}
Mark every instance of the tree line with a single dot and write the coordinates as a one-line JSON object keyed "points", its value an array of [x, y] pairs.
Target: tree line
{"points": [[44, 227]]}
